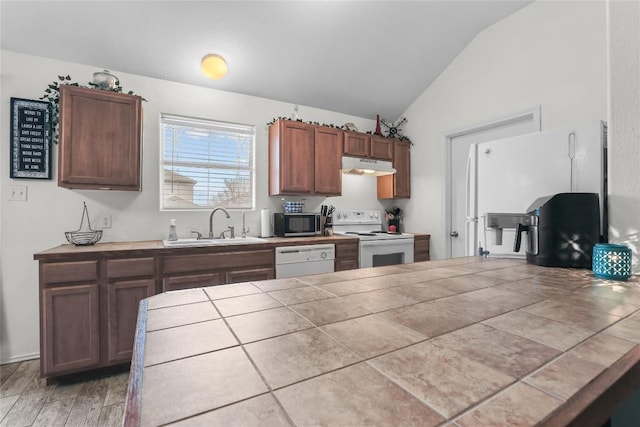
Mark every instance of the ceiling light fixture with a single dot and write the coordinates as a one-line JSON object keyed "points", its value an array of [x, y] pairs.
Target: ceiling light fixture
{"points": [[214, 66]]}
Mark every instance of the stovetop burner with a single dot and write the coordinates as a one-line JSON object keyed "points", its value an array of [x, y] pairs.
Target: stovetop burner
{"points": [[365, 225]]}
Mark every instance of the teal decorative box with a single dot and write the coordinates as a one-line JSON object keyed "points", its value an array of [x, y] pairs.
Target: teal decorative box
{"points": [[611, 261]]}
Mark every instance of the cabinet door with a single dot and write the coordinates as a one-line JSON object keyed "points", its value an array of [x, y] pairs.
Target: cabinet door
{"points": [[291, 158], [130, 267], [346, 264], [385, 186], [421, 247], [357, 144], [123, 299], [99, 139], [381, 148], [70, 330], [328, 161], [397, 185], [250, 275], [402, 163], [346, 256]]}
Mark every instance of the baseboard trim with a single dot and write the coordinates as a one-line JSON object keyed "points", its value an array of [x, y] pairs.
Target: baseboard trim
{"points": [[4, 361]]}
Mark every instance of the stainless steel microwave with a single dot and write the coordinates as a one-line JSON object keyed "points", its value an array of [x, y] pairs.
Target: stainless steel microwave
{"points": [[296, 224]]}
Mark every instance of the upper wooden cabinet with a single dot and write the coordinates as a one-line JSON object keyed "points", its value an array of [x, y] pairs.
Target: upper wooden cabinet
{"points": [[304, 159], [381, 148], [402, 163], [397, 185], [328, 161], [100, 139], [291, 163], [357, 144]]}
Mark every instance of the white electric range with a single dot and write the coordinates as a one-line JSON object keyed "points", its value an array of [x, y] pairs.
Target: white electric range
{"points": [[377, 247]]}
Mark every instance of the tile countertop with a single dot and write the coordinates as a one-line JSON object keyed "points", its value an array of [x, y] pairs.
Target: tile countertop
{"points": [[461, 342], [157, 245]]}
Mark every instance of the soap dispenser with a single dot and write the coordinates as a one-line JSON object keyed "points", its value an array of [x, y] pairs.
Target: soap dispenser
{"points": [[173, 235]]}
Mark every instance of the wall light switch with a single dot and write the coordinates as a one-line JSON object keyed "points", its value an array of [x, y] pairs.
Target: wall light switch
{"points": [[18, 193], [105, 221]]}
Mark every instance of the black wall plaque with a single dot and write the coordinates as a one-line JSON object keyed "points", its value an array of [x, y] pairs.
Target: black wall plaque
{"points": [[30, 139]]}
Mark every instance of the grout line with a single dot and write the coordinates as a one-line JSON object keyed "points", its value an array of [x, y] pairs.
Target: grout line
{"points": [[253, 363]]}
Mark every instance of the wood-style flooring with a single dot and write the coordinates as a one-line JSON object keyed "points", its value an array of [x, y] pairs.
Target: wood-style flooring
{"points": [[27, 400]]}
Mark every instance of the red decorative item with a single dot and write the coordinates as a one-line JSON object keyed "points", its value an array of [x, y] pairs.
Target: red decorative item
{"points": [[378, 130]]}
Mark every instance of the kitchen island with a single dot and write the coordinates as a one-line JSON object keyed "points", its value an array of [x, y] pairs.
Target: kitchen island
{"points": [[466, 342]]}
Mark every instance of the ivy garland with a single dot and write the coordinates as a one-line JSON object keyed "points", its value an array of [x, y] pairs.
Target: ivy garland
{"points": [[52, 95], [329, 125]]}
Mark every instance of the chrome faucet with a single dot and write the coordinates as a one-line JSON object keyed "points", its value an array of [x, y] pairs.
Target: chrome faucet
{"points": [[211, 219], [231, 231]]}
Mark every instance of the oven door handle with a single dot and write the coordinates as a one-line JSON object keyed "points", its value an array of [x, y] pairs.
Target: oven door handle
{"points": [[386, 243]]}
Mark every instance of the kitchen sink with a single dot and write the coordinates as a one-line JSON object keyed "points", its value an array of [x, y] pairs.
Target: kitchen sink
{"points": [[212, 242]]}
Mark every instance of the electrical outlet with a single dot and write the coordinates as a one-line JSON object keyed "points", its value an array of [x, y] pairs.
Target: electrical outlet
{"points": [[105, 221], [18, 193]]}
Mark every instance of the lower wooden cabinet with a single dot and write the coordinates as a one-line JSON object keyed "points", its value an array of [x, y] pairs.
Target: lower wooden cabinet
{"points": [[88, 318], [421, 247], [208, 269], [89, 307], [123, 299], [70, 329], [346, 255]]}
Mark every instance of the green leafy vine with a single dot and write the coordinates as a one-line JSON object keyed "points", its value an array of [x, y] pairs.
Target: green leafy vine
{"points": [[52, 95], [329, 125]]}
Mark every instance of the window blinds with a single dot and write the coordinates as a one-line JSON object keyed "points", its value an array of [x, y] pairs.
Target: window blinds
{"points": [[206, 164]]}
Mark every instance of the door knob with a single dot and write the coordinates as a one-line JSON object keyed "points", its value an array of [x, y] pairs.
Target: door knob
{"points": [[453, 234]]}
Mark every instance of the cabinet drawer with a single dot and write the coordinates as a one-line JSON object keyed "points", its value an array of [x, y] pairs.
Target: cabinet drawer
{"points": [[62, 272], [219, 261], [134, 267], [191, 281], [250, 275]]}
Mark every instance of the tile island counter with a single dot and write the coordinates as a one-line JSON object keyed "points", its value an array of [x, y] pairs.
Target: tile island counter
{"points": [[461, 342]]}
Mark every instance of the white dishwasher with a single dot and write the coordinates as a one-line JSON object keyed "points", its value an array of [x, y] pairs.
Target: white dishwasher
{"points": [[295, 261]]}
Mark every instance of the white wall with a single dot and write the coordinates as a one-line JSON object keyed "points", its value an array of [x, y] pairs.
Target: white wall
{"points": [[40, 223], [551, 54], [624, 125]]}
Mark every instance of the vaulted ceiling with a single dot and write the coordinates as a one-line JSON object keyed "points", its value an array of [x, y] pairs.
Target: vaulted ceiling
{"points": [[356, 57]]}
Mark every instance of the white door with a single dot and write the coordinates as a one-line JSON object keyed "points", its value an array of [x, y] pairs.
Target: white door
{"points": [[460, 230]]}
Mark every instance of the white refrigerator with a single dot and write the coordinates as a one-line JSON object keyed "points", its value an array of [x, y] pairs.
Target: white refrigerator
{"points": [[508, 175]]}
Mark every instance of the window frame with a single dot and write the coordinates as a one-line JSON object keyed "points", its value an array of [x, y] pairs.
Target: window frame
{"points": [[245, 129]]}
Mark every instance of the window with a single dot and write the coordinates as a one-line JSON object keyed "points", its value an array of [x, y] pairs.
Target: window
{"points": [[206, 164]]}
